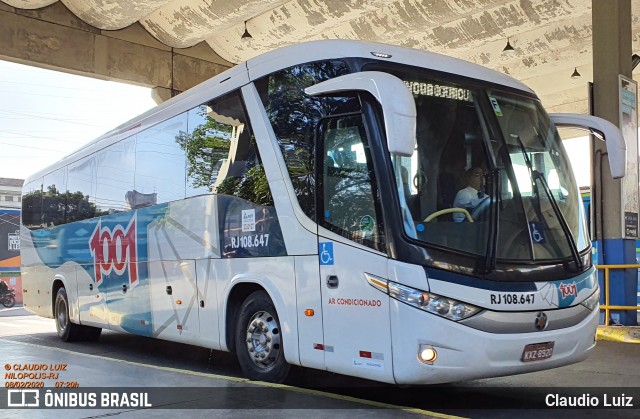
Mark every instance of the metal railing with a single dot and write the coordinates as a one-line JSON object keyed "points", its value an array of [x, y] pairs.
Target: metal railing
{"points": [[607, 307]]}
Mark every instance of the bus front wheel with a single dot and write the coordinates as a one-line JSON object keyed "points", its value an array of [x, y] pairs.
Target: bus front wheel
{"points": [[259, 340]]}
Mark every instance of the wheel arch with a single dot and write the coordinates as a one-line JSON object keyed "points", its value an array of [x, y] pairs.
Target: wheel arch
{"points": [[58, 282], [239, 289], [61, 280]]}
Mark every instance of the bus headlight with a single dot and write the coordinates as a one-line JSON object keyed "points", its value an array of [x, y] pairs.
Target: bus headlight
{"points": [[592, 302], [442, 306]]}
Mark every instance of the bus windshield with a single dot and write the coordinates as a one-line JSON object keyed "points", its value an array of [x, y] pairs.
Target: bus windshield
{"points": [[481, 187]]}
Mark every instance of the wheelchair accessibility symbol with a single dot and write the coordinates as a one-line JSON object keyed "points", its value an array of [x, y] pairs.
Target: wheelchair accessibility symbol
{"points": [[325, 251], [536, 232]]}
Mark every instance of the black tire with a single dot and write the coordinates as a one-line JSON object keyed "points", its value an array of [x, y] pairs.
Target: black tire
{"points": [[67, 331], [259, 342], [90, 333], [8, 301]]}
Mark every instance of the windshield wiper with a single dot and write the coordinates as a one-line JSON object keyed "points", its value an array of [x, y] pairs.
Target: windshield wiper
{"points": [[537, 176]]}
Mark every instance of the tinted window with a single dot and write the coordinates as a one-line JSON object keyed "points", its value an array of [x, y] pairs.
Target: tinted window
{"points": [[81, 189], [294, 116], [160, 164], [222, 155], [347, 182], [115, 168], [54, 198], [32, 204]]}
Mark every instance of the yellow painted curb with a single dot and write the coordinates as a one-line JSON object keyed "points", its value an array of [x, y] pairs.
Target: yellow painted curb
{"points": [[627, 334]]}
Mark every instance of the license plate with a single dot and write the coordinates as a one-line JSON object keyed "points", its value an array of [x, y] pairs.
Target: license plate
{"points": [[537, 351]]}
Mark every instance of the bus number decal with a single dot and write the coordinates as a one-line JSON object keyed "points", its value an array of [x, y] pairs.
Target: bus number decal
{"points": [[512, 298], [114, 251], [250, 241]]}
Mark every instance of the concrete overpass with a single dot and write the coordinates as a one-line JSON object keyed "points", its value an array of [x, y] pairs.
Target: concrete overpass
{"points": [[174, 44]]}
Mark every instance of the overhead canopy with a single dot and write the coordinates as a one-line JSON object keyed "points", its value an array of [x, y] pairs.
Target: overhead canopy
{"points": [[550, 38]]}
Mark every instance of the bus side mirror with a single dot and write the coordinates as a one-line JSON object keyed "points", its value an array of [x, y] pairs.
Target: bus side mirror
{"points": [[398, 106], [605, 131]]}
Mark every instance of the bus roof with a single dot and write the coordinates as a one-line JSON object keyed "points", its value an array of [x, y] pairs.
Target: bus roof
{"points": [[270, 62]]}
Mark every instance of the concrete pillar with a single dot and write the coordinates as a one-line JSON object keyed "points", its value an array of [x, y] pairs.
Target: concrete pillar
{"points": [[160, 94], [611, 57]]}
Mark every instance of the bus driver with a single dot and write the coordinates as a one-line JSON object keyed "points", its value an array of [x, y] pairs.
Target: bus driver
{"points": [[469, 197]]}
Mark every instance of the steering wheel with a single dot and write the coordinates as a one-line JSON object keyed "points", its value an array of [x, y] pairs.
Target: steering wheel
{"points": [[449, 211], [480, 209]]}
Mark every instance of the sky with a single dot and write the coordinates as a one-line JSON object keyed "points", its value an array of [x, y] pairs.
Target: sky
{"points": [[45, 115]]}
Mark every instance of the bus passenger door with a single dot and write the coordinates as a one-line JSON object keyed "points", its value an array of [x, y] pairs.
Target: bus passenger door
{"points": [[357, 337]]}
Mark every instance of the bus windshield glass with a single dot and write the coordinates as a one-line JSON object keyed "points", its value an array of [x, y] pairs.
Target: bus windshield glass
{"points": [[481, 187], [542, 177]]}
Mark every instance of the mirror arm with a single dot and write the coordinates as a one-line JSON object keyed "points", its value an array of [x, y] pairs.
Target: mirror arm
{"points": [[604, 130], [398, 105]]}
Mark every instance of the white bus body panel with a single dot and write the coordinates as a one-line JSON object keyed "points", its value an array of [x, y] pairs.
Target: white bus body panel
{"points": [[540, 296], [335, 49], [174, 300], [38, 279], [277, 276], [310, 333], [357, 333], [92, 301], [465, 353]]}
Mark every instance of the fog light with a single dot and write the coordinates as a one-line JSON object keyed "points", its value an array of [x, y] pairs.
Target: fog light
{"points": [[427, 354]]}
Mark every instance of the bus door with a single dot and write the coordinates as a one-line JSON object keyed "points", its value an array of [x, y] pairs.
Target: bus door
{"points": [[357, 338]]}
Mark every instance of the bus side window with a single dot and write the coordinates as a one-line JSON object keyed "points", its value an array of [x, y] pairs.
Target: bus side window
{"points": [[221, 152], [160, 164], [294, 115], [115, 166], [32, 205], [347, 184], [81, 189], [54, 198]]}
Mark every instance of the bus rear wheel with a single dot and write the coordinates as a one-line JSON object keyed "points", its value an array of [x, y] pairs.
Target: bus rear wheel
{"points": [[259, 340], [68, 331]]}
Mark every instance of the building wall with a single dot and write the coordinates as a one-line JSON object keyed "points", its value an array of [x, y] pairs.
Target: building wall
{"points": [[10, 205], [10, 193]]}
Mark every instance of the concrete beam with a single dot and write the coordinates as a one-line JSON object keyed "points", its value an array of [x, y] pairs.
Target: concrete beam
{"points": [[53, 38]]}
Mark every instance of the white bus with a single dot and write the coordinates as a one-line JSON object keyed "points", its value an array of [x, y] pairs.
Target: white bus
{"points": [[298, 209]]}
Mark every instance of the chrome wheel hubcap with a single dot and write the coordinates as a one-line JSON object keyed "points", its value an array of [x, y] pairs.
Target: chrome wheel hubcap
{"points": [[263, 339]]}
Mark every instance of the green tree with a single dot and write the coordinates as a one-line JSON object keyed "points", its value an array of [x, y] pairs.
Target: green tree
{"points": [[52, 208]]}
